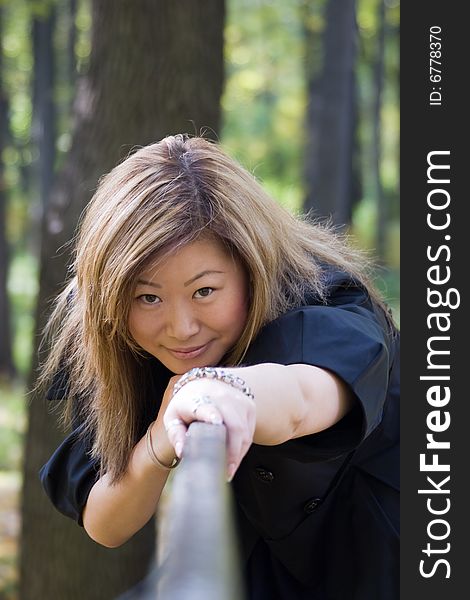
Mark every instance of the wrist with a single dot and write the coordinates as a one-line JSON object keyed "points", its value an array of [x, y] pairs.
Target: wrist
{"points": [[159, 450], [214, 374]]}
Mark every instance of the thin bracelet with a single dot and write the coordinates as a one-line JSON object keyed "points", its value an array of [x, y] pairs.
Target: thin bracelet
{"points": [[213, 373], [153, 456]]}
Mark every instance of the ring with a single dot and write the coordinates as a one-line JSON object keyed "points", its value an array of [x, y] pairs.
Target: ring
{"points": [[174, 423], [200, 400]]}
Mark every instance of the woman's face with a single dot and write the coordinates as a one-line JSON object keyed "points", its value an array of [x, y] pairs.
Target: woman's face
{"points": [[190, 309]]}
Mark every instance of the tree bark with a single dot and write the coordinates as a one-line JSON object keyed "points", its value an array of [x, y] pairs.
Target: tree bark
{"points": [[44, 131], [331, 118], [156, 67], [71, 41]]}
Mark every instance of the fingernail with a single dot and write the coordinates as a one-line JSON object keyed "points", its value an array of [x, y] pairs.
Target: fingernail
{"points": [[178, 449], [215, 419], [231, 472]]}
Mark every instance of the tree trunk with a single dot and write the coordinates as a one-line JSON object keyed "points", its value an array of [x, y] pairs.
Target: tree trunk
{"points": [[156, 67], [71, 41], [331, 118], [7, 369], [44, 115]]}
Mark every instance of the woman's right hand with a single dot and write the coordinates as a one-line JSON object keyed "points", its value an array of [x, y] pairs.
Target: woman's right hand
{"points": [[215, 402]]}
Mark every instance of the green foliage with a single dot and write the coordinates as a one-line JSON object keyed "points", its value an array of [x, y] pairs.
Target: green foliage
{"points": [[12, 424], [23, 287], [264, 99], [83, 44], [367, 18], [264, 105], [388, 283], [387, 277], [19, 155], [17, 53]]}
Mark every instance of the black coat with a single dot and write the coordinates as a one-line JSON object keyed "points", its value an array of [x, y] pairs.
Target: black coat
{"points": [[318, 515]]}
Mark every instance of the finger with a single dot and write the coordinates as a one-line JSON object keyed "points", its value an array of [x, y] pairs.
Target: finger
{"points": [[176, 432], [239, 439], [180, 413], [203, 409], [248, 426]]}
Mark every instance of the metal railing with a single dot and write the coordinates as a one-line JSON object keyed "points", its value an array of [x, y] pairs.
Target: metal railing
{"points": [[199, 557]]}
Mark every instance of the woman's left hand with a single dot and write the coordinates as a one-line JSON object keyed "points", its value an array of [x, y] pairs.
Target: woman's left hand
{"points": [[215, 402]]}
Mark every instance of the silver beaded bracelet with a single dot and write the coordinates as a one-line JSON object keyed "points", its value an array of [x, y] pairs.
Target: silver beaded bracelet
{"points": [[213, 373]]}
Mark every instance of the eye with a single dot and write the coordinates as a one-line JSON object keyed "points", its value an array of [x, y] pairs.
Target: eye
{"points": [[149, 299], [203, 292]]}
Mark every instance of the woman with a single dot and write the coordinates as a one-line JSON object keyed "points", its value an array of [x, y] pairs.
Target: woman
{"points": [[183, 263]]}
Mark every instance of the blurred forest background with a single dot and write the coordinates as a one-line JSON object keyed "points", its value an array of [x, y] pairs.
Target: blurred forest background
{"points": [[305, 93]]}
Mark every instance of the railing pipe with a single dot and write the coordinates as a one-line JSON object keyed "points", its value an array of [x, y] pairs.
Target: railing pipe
{"points": [[199, 558]]}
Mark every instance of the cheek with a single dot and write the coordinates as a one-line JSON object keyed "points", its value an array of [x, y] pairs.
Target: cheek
{"points": [[241, 311], [139, 325], [132, 324], [235, 315]]}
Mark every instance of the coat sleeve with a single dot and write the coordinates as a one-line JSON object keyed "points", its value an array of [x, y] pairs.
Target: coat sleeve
{"points": [[347, 336], [69, 475]]}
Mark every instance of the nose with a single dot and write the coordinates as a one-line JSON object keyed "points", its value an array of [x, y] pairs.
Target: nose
{"points": [[182, 323]]}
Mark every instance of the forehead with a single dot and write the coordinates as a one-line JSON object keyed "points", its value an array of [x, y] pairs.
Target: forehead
{"points": [[198, 255]]}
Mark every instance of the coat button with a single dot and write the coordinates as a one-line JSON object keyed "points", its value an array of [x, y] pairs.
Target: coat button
{"points": [[312, 505], [264, 474]]}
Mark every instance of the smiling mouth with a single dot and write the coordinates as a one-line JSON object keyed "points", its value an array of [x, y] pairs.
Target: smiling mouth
{"points": [[183, 353]]}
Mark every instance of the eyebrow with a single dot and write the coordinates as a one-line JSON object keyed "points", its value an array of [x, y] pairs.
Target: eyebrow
{"points": [[192, 280]]}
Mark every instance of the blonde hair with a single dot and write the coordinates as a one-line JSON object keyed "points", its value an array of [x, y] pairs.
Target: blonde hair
{"points": [[162, 197]]}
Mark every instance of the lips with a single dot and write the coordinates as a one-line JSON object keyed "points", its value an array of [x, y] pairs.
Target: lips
{"points": [[186, 353]]}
